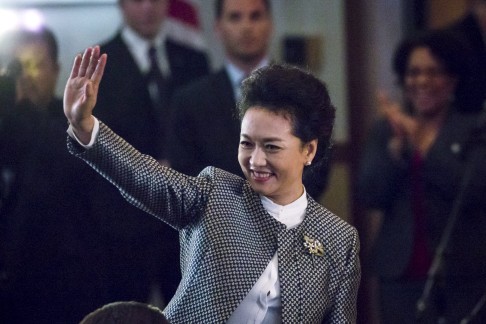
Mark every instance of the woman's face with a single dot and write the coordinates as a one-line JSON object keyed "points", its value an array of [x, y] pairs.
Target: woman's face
{"points": [[427, 85], [271, 157]]}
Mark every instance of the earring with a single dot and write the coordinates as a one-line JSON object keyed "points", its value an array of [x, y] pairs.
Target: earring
{"points": [[308, 163]]}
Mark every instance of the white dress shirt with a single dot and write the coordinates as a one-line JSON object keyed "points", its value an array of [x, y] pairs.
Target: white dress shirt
{"points": [[139, 47]]}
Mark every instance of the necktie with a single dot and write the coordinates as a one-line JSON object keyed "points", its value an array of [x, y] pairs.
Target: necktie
{"points": [[158, 89], [156, 81]]}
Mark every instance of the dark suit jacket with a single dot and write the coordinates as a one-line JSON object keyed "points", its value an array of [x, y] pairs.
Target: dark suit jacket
{"points": [[205, 130], [228, 239], [139, 251], [47, 231], [385, 185], [124, 101]]}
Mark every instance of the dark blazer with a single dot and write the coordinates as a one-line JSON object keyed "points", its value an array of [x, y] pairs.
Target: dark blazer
{"points": [[385, 185], [228, 239], [124, 101], [205, 130]]}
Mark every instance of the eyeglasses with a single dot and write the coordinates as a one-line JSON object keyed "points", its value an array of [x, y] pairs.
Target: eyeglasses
{"points": [[429, 73]]}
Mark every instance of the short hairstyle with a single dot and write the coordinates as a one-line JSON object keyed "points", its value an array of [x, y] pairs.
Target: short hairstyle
{"points": [[20, 37], [297, 95], [218, 9], [126, 312], [454, 55]]}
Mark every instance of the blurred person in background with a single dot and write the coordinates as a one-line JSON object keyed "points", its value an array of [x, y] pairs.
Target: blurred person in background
{"points": [[46, 230], [411, 173], [146, 65]]}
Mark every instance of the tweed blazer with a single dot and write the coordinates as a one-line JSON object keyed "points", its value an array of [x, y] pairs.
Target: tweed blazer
{"points": [[228, 239]]}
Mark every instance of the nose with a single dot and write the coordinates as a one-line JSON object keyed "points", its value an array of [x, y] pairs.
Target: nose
{"points": [[258, 158]]}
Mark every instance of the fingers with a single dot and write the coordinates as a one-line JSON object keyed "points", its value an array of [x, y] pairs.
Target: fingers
{"points": [[93, 61], [75, 69], [85, 62], [90, 64], [100, 67]]}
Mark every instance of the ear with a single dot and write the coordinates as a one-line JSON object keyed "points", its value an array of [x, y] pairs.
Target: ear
{"points": [[310, 150]]}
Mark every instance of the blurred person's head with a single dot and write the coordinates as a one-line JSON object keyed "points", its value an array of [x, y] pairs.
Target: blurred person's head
{"points": [[36, 54], [245, 28], [434, 71], [125, 312], [286, 125], [145, 17]]}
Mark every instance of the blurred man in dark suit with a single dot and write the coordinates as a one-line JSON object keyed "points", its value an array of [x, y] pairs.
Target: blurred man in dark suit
{"points": [[141, 253]]}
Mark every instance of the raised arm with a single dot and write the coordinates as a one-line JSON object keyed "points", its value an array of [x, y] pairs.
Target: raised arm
{"points": [[82, 90]]}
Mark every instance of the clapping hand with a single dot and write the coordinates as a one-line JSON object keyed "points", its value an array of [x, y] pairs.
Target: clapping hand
{"points": [[82, 90], [403, 126]]}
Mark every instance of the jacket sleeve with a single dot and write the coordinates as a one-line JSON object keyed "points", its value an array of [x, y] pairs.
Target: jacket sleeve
{"points": [[172, 197]]}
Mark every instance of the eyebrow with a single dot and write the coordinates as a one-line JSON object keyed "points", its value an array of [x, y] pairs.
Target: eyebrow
{"points": [[266, 139]]}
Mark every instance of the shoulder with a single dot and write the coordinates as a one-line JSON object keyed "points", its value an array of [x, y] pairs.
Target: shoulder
{"points": [[459, 123], [328, 218], [332, 229], [114, 43], [176, 47], [205, 83], [205, 89]]}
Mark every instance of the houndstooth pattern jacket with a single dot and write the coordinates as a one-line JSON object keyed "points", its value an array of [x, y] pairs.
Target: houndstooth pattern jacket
{"points": [[227, 239]]}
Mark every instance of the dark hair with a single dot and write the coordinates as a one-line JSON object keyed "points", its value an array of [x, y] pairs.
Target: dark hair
{"points": [[218, 9], [126, 312], [296, 94], [19, 37], [455, 57]]}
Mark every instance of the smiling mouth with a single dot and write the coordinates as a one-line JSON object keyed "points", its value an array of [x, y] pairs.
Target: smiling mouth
{"points": [[260, 176]]}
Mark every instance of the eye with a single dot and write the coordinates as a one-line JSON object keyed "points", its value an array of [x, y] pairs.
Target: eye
{"points": [[272, 147], [245, 144], [234, 17]]}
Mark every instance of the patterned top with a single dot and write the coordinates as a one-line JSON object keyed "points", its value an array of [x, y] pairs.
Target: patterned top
{"points": [[228, 239]]}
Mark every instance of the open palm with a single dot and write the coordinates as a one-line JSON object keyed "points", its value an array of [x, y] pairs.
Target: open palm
{"points": [[82, 88]]}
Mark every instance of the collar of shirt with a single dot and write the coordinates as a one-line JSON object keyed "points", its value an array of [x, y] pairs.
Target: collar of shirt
{"points": [[236, 74], [291, 215], [138, 47]]}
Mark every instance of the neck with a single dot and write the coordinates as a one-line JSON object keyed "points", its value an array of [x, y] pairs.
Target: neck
{"points": [[246, 65]]}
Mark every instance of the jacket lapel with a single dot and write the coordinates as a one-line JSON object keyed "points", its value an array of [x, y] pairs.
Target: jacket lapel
{"points": [[304, 272]]}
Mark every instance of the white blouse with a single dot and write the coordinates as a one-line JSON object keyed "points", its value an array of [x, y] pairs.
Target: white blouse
{"points": [[262, 304]]}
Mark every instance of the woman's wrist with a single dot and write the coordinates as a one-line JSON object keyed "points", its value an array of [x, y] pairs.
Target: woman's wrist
{"points": [[83, 129]]}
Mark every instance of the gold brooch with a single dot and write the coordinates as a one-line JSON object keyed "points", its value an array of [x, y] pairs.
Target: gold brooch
{"points": [[315, 247]]}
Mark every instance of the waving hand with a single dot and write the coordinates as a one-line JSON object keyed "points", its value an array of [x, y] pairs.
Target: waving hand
{"points": [[82, 90]]}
